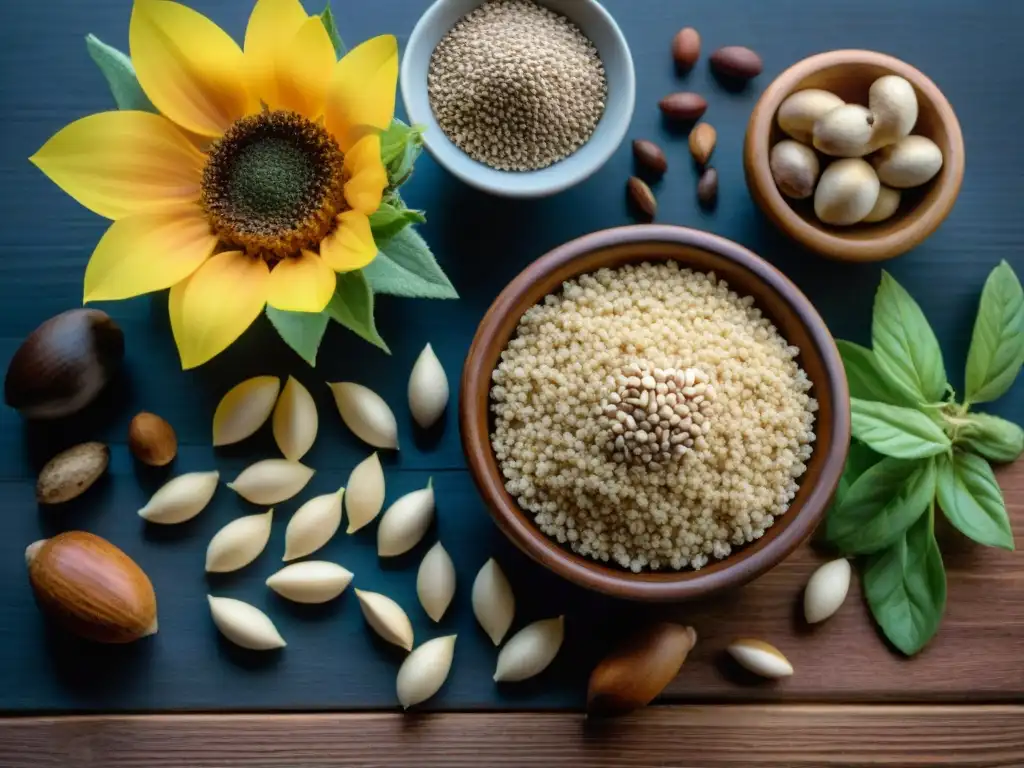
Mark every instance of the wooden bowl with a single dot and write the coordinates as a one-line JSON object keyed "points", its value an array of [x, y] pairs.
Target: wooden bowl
{"points": [[849, 74], [748, 274]]}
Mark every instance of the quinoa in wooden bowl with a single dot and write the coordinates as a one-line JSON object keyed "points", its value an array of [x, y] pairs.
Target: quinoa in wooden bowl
{"points": [[655, 413]]}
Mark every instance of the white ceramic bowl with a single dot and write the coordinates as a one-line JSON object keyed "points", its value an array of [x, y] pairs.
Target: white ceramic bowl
{"points": [[597, 24]]}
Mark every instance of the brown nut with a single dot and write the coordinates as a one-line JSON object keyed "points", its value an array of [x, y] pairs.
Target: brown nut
{"points": [[736, 62], [641, 197], [71, 473], [702, 142], [707, 188], [650, 156], [683, 106], [152, 440], [686, 47]]}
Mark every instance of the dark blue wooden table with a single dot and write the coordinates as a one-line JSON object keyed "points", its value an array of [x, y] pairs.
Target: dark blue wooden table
{"points": [[972, 50]]}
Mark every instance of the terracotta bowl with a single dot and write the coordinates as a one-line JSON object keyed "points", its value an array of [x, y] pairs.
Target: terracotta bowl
{"points": [[748, 274], [849, 74]]}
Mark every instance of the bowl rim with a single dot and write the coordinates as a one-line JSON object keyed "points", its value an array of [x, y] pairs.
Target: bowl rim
{"points": [[818, 239], [475, 396], [491, 180]]}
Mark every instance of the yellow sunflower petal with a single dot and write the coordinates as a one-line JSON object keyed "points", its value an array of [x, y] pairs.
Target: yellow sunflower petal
{"points": [[304, 70], [367, 176], [302, 283], [189, 67], [213, 307], [350, 246], [270, 22], [148, 252], [120, 163], [361, 98]]}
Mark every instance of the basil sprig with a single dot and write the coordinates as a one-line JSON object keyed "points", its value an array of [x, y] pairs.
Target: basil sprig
{"points": [[917, 450]]}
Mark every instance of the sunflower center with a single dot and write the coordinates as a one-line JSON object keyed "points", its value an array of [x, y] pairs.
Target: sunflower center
{"points": [[274, 184]]}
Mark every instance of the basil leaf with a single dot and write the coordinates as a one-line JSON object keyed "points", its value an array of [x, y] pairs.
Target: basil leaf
{"points": [[880, 505], [992, 437], [388, 220], [905, 345], [894, 431], [972, 501], [352, 307], [120, 75], [905, 586], [866, 379], [406, 267], [997, 346], [302, 331], [327, 17]]}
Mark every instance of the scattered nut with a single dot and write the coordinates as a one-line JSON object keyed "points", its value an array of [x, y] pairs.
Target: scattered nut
{"points": [[313, 525], [795, 168], [530, 650], [683, 106], [737, 62], [181, 498], [152, 440], [641, 197], [238, 543], [761, 658], [707, 188], [405, 522], [826, 590], [71, 473], [244, 625], [650, 156], [686, 47], [702, 142]]}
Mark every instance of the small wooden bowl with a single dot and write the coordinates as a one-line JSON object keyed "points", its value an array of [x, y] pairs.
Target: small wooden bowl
{"points": [[748, 274], [849, 74]]}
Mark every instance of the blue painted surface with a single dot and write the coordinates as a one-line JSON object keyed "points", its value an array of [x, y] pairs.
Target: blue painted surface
{"points": [[971, 50]]}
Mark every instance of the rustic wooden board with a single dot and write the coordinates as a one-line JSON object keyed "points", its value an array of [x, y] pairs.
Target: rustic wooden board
{"points": [[681, 737]]}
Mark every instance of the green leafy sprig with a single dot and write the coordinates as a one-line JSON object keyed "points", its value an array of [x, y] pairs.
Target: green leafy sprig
{"points": [[405, 265], [916, 449]]}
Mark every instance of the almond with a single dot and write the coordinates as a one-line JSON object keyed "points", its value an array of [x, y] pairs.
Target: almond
{"points": [[71, 473], [686, 47], [736, 62], [641, 197], [702, 142], [152, 440], [650, 156], [683, 106]]}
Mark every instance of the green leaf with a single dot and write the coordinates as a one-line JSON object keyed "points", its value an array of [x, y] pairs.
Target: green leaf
{"points": [[903, 433], [327, 17], [997, 346], [406, 267], [120, 75], [866, 378], [858, 461], [400, 146], [905, 587], [880, 505], [388, 220], [352, 307], [302, 331], [905, 345], [972, 501], [990, 436]]}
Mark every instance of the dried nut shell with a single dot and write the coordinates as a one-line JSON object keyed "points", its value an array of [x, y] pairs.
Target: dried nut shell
{"points": [[64, 364], [826, 590], [238, 543], [910, 162], [428, 389], [893, 102], [686, 47], [91, 588], [181, 498], [152, 440], [650, 156], [737, 62], [494, 604], [366, 414], [424, 671], [313, 525], [641, 198], [405, 523], [795, 169], [683, 106], [845, 131], [271, 481], [760, 658], [70, 473], [530, 650], [295, 420], [800, 111], [311, 581], [364, 498], [703, 138], [386, 618], [846, 193], [887, 204], [244, 625], [244, 409], [634, 674], [435, 582]]}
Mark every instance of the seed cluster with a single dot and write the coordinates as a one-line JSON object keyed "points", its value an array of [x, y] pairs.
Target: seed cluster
{"points": [[516, 86], [551, 391]]}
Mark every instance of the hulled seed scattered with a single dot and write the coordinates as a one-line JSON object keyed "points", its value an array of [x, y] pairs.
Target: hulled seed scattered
{"points": [[562, 370], [516, 86]]}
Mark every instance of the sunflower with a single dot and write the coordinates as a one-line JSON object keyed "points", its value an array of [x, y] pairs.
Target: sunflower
{"points": [[253, 185]]}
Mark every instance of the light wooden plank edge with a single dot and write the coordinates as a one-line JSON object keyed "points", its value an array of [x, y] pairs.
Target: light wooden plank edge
{"points": [[753, 736]]}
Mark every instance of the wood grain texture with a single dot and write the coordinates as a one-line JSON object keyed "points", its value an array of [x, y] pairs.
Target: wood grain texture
{"points": [[681, 737]]}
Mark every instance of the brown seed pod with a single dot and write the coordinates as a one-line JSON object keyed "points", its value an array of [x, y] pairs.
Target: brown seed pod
{"points": [[641, 197], [686, 47], [91, 588], [152, 440], [71, 473], [650, 156], [737, 62], [683, 106], [702, 142], [707, 188]]}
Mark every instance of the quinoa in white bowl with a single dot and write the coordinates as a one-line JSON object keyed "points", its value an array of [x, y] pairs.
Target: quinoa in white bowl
{"points": [[650, 417]]}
